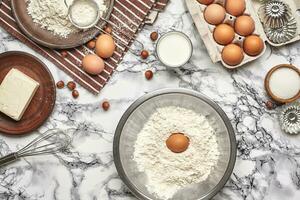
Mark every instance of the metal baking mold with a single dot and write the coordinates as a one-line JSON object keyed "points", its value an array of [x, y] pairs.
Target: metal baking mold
{"points": [[282, 34], [290, 118], [275, 14]]}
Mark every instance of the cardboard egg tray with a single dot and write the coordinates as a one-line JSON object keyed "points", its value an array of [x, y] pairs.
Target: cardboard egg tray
{"points": [[252, 8]]}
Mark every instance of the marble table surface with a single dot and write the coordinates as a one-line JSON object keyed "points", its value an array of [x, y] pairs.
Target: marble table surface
{"points": [[268, 162]]}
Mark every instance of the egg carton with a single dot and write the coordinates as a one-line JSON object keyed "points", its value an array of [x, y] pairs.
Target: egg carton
{"points": [[252, 7]]}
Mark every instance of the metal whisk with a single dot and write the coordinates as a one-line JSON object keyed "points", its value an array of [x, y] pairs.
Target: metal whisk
{"points": [[51, 141]]}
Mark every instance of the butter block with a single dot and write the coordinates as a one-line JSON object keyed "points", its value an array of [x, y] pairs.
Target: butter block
{"points": [[16, 92]]}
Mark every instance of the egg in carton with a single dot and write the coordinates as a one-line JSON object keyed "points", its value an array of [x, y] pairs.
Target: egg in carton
{"points": [[251, 45]]}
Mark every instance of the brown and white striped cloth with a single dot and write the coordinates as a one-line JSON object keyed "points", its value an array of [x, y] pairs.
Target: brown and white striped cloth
{"points": [[128, 14]]}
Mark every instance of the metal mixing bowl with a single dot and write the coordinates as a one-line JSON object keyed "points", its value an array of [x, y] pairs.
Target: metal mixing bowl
{"points": [[133, 121]]}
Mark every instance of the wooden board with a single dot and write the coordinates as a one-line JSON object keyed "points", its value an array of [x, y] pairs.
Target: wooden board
{"points": [[47, 38], [42, 103]]}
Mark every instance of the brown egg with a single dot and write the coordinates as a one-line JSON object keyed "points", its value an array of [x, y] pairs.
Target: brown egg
{"points": [[93, 64], [244, 25], [224, 34], [105, 46], [178, 142], [235, 7], [206, 2], [253, 45], [232, 54], [214, 14]]}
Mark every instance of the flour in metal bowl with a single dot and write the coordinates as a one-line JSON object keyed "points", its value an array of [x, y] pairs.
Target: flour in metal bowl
{"points": [[168, 172]]}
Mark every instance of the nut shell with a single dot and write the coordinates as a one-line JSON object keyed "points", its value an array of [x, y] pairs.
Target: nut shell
{"points": [[71, 85], [105, 105], [144, 54], [91, 44], [75, 94], [154, 36], [60, 84], [149, 74]]}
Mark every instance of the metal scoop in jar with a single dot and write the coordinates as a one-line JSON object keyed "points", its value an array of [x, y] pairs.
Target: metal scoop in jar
{"points": [[76, 17]]}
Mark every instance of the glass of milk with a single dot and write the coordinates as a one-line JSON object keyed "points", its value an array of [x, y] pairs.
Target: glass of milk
{"points": [[174, 49]]}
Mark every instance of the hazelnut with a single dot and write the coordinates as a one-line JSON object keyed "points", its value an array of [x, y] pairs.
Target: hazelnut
{"points": [[154, 36], [105, 105], [75, 94], [149, 74], [269, 105], [64, 54], [71, 85], [60, 84], [91, 44], [108, 29], [144, 54]]}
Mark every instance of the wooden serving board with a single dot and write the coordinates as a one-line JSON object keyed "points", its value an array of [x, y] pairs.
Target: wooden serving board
{"points": [[43, 101]]}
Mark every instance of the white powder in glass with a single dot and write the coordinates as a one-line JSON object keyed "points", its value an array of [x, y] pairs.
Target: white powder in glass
{"points": [[167, 172], [83, 13], [53, 15]]}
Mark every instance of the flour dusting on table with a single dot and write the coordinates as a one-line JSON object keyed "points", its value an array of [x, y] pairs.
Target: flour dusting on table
{"points": [[167, 171]]}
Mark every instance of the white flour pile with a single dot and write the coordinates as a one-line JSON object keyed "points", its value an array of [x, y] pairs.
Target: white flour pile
{"points": [[167, 171], [53, 15]]}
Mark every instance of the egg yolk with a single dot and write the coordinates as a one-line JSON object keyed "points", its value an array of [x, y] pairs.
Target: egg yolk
{"points": [[178, 142]]}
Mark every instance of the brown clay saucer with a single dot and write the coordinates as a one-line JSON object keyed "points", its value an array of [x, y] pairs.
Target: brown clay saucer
{"points": [[267, 86], [43, 101]]}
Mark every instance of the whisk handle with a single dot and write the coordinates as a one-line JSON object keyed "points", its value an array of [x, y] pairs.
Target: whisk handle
{"points": [[8, 159]]}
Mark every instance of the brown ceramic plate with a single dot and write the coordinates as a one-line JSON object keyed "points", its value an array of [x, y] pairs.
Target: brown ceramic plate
{"points": [[47, 38], [43, 101]]}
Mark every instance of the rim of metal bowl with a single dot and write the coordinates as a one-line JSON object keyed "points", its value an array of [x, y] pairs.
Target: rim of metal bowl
{"points": [[141, 100]]}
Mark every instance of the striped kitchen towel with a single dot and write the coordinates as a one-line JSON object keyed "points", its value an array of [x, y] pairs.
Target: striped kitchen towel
{"points": [[160, 5], [128, 14]]}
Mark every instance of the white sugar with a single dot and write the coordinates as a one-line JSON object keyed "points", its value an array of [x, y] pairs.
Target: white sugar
{"points": [[284, 83]]}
